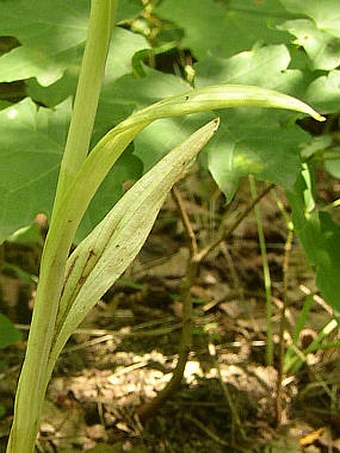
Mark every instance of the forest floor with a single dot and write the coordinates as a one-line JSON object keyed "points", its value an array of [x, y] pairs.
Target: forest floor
{"points": [[125, 351]]}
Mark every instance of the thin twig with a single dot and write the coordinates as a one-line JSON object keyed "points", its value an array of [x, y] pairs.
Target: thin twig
{"points": [[319, 300], [207, 431], [279, 387], [151, 407], [185, 220], [116, 333], [225, 231], [235, 421]]}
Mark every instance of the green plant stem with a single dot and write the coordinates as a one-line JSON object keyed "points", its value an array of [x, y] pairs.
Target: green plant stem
{"points": [[34, 377], [266, 275], [88, 90]]}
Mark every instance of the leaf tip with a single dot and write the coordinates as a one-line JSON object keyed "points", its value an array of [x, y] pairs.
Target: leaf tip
{"points": [[320, 118], [216, 123]]}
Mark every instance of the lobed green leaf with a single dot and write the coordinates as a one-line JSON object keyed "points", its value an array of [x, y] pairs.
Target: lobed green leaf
{"points": [[237, 25], [325, 14], [51, 36]]}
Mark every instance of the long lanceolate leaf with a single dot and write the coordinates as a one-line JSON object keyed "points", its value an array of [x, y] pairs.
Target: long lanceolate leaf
{"points": [[110, 147], [106, 252], [107, 151]]}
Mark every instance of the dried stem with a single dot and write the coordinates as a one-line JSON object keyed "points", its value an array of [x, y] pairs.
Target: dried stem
{"points": [[150, 408], [192, 242], [225, 231], [279, 387], [195, 258]]}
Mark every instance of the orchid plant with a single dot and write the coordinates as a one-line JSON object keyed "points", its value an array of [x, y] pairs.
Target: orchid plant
{"points": [[70, 284]]}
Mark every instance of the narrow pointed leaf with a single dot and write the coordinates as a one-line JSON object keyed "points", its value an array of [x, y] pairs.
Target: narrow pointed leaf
{"points": [[111, 146], [105, 254]]}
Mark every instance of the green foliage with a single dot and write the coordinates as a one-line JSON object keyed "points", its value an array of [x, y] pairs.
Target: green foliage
{"points": [[244, 142], [31, 142], [225, 28], [320, 237], [275, 44], [222, 49], [8, 333], [295, 358], [266, 66], [52, 36], [326, 14], [324, 91], [249, 44], [243, 145]]}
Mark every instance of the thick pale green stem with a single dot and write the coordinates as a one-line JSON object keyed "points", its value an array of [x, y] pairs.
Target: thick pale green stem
{"points": [[34, 377], [88, 89]]}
